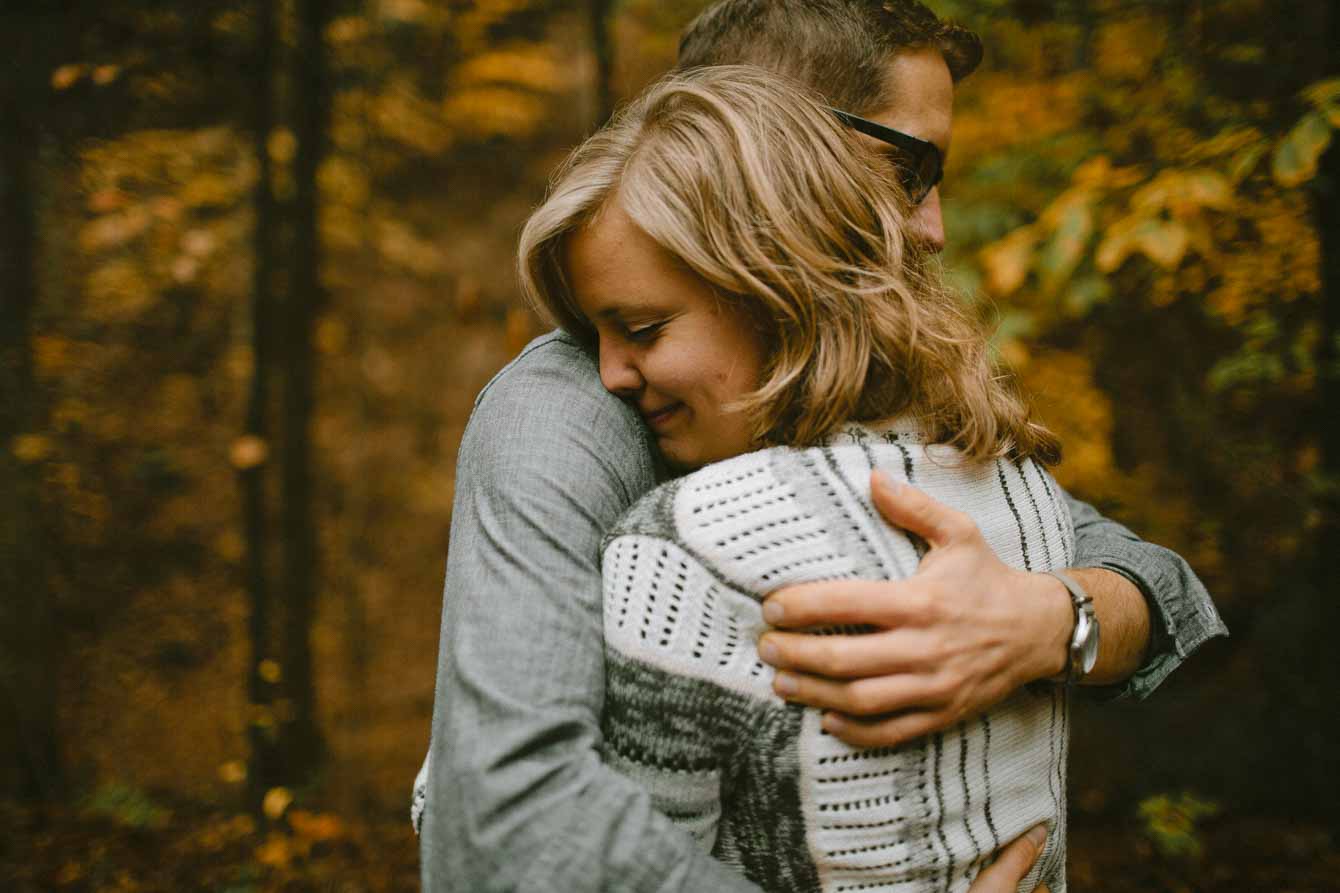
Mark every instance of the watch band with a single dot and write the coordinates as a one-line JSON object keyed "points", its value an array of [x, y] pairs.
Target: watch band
{"points": [[1083, 651]]}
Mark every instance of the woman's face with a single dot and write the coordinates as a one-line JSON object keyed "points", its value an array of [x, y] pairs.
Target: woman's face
{"points": [[667, 345]]}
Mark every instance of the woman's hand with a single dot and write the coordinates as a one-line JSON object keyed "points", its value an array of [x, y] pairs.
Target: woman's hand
{"points": [[1015, 861], [951, 641]]}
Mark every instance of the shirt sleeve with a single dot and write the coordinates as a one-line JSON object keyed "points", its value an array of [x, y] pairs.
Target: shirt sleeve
{"points": [[1182, 615], [517, 795]]}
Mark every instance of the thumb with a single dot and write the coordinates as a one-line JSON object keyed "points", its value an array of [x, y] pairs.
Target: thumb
{"points": [[903, 505], [1005, 874]]}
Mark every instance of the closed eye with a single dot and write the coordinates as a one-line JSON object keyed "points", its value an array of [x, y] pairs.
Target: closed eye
{"points": [[645, 333]]}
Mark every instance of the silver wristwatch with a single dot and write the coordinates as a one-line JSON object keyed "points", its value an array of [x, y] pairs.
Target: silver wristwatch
{"points": [[1083, 653]]}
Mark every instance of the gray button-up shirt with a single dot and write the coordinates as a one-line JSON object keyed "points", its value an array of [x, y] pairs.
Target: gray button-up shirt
{"points": [[517, 795]]}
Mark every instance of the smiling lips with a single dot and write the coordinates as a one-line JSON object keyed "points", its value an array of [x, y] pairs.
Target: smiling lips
{"points": [[659, 418]]}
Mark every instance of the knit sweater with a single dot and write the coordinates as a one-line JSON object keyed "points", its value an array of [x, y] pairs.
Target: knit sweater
{"points": [[690, 713]]}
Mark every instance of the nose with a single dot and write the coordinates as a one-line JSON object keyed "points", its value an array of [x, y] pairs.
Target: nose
{"points": [[618, 369], [928, 226]]}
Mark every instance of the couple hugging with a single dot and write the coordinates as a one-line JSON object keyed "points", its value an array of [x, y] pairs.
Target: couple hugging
{"points": [[757, 577]]}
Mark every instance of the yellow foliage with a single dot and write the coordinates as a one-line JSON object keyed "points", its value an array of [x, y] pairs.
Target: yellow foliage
{"points": [[486, 111], [233, 772], [276, 801], [344, 182], [53, 354], [527, 65], [276, 852], [411, 11], [209, 189], [316, 826], [281, 145], [114, 230], [342, 227], [405, 116], [105, 74], [331, 335], [119, 291], [1128, 48], [270, 671], [67, 76], [248, 451], [29, 448], [399, 245], [1004, 111], [1006, 262], [347, 29]]}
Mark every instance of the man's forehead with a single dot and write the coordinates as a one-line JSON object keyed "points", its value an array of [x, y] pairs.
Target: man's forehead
{"points": [[919, 95]]}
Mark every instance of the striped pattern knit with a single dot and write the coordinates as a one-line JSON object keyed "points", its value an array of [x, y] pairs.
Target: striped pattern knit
{"points": [[690, 713]]}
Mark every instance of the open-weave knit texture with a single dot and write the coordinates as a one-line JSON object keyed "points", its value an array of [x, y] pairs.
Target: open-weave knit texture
{"points": [[690, 713]]}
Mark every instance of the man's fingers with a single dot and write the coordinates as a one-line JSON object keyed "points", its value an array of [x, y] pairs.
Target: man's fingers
{"points": [[887, 732], [847, 657], [1004, 875], [880, 603], [907, 507], [874, 696]]}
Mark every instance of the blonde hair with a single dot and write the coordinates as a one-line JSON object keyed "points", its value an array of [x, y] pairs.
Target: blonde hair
{"points": [[751, 182]]}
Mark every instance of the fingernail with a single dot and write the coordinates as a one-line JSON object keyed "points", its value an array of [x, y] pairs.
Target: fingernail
{"points": [[785, 684], [773, 612], [831, 722], [768, 652], [1037, 835]]}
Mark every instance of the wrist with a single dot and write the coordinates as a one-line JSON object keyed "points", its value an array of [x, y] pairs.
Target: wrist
{"points": [[1056, 613]]}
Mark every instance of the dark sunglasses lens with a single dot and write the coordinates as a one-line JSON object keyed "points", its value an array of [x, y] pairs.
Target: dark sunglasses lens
{"points": [[916, 173]]}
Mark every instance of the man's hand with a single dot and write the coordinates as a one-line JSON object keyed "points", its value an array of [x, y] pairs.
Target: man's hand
{"points": [[951, 641], [1016, 860]]}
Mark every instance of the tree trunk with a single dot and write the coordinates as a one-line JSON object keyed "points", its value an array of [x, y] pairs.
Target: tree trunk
{"points": [[304, 743], [265, 770], [1327, 656], [602, 47], [30, 761]]}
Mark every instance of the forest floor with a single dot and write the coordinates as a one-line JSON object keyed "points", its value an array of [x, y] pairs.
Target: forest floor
{"points": [[135, 846]]}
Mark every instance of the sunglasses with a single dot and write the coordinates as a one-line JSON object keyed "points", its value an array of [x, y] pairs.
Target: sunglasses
{"points": [[920, 165]]}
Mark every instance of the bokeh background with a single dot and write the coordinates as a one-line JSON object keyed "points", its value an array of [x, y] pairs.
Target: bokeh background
{"points": [[255, 264]]}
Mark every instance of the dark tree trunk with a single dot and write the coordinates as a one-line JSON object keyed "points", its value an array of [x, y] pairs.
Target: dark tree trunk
{"points": [[603, 48], [1327, 655], [30, 762], [304, 300], [266, 768]]}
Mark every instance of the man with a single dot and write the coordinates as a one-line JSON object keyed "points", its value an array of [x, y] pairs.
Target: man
{"points": [[517, 795]]}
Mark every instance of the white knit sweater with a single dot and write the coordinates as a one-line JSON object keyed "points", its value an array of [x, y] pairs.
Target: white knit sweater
{"points": [[690, 713]]}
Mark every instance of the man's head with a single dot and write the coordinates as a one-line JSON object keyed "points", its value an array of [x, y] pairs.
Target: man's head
{"points": [[892, 61]]}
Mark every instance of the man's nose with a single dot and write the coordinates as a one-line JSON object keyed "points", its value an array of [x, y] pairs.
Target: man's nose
{"points": [[928, 226], [618, 371]]}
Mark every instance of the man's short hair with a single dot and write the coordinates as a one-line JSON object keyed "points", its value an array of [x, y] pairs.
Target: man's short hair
{"points": [[839, 47]]}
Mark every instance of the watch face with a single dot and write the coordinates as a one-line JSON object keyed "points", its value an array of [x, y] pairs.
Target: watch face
{"points": [[1089, 646]]}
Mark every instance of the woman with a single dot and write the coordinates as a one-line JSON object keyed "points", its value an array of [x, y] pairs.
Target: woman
{"points": [[739, 262]]}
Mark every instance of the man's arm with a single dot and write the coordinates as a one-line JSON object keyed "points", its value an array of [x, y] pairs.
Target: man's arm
{"points": [[966, 630], [1181, 615], [517, 795]]}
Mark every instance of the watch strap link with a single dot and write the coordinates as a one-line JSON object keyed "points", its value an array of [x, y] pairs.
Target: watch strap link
{"points": [[1085, 626]]}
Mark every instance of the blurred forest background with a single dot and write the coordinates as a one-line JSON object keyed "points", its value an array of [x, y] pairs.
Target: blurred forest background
{"points": [[255, 263]]}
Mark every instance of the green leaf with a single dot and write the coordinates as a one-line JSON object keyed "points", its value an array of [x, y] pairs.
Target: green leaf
{"points": [[1163, 241], [1245, 161], [1323, 93], [1085, 293], [1296, 157], [1065, 249]]}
